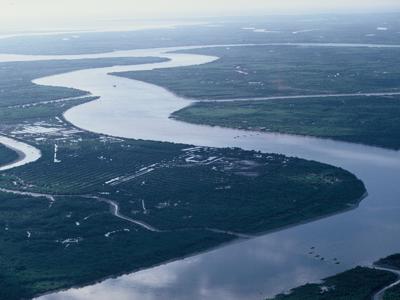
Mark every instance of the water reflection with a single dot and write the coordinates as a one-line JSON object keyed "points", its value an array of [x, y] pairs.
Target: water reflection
{"points": [[265, 265]]}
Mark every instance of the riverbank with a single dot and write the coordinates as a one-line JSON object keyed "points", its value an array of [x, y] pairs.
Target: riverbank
{"points": [[359, 283], [378, 282], [370, 120]]}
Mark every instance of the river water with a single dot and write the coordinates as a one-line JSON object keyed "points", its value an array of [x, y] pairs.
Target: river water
{"points": [[251, 269], [27, 153]]}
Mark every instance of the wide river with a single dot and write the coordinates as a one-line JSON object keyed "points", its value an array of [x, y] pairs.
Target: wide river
{"points": [[251, 269]]}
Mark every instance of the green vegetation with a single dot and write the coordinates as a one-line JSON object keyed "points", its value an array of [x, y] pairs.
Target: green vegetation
{"points": [[43, 249], [7, 155], [392, 261], [368, 120], [12, 115], [262, 71], [192, 195], [246, 192], [360, 283], [356, 284], [392, 293]]}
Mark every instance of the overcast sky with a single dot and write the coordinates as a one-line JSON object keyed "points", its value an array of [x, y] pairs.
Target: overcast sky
{"points": [[27, 13]]}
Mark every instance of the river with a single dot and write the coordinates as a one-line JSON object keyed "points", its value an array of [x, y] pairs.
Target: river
{"points": [[254, 268], [26, 153]]}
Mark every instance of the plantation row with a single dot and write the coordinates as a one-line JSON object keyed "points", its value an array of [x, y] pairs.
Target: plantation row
{"points": [[85, 166]]}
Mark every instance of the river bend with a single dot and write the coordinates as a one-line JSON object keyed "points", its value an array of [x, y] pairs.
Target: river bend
{"points": [[254, 268]]}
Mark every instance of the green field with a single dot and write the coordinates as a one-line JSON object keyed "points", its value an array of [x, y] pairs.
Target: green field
{"points": [[359, 283], [262, 71], [367, 120]]}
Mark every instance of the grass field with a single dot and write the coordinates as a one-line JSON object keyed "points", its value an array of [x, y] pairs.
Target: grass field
{"points": [[262, 71], [367, 120]]}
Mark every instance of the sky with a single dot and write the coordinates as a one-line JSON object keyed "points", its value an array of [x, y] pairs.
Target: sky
{"points": [[26, 14]]}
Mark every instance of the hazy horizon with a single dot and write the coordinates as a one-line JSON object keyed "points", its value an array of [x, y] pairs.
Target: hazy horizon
{"points": [[28, 15]]}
